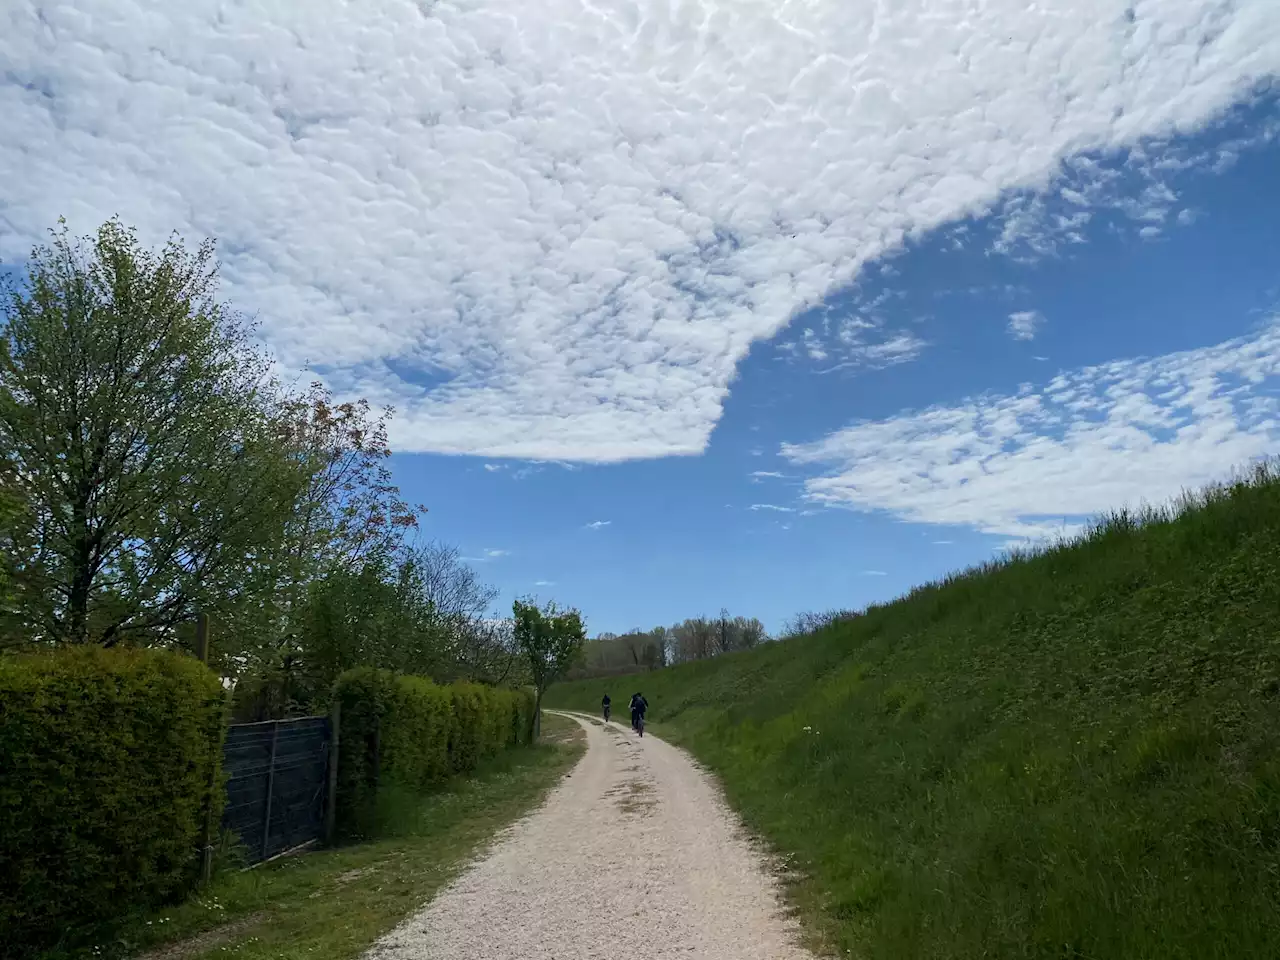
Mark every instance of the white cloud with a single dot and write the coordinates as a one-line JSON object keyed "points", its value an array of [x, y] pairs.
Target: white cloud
{"points": [[855, 335], [488, 554], [599, 524], [767, 475], [544, 583], [771, 506], [899, 347], [494, 467], [1025, 324], [1132, 183], [1040, 461], [552, 228], [812, 345], [874, 573]]}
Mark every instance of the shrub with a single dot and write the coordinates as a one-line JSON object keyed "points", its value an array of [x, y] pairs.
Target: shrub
{"points": [[416, 733], [108, 757]]}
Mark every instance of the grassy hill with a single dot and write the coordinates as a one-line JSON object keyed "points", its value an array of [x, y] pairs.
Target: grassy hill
{"points": [[1073, 754]]}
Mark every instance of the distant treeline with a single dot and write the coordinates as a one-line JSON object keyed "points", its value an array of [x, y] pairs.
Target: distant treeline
{"points": [[698, 638]]}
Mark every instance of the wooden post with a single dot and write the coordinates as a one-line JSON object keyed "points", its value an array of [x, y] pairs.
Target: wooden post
{"points": [[331, 802], [202, 637], [271, 782]]}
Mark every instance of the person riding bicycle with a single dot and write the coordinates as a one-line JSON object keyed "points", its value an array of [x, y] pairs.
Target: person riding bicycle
{"points": [[605, 704], [638, 707]]}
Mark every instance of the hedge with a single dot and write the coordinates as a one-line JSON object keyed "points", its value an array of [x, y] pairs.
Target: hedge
{"points": [[416, 733], [107, 758]]}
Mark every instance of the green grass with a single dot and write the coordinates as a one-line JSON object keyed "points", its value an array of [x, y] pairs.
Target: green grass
{"points": [[1071, 754], [332, 904]]}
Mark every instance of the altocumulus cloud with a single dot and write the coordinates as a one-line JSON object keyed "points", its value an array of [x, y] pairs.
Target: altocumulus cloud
{"points": [[1024, 324], [1089, 440], [552, 228]]}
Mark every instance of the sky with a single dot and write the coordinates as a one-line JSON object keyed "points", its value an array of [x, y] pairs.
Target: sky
{"points": [[774, 305]]}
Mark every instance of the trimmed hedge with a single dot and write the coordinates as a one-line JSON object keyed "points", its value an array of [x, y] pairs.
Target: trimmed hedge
{"points": [[417, 733], [106, 762]]}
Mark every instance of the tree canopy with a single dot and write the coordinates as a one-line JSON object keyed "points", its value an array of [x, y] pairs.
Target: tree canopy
{"points": [[139, 429]]}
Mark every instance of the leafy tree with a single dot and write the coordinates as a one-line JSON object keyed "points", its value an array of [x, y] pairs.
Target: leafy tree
{"points": [[11, 534], [551, 641], [142, 434], [346, 531]]}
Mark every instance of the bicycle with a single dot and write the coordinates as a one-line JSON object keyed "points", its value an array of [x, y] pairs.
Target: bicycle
{"points": [[606, 714]]}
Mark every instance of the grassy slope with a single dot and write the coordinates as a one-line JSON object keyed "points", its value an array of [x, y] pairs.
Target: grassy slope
{"points": [[332, 904], [1069, 755]]}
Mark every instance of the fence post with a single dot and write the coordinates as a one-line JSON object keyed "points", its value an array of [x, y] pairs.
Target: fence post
{"points": [[206, 848], [271, 782], [331, 806]]}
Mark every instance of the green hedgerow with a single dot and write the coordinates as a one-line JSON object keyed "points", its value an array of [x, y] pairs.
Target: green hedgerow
{"points": [[416, 733], [108, 758]]}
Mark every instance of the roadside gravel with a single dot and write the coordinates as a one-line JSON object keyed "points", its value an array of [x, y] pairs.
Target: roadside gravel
{"points": [[635, 854]]}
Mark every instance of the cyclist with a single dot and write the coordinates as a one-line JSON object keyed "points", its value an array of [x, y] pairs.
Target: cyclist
{"points": [[605, 704], [638, 706]]}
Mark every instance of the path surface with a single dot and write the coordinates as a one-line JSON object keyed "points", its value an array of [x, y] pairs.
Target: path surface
{"points": [[634, 855]]}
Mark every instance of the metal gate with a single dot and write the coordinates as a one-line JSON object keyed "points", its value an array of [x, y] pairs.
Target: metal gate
{"points": [[277, 780]]}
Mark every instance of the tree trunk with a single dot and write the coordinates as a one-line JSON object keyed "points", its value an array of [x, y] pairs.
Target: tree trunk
{"points": [[537, 716]]}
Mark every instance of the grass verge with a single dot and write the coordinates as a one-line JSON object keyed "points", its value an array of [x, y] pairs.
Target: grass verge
{"points": [[332, 904], [1070, 754]]}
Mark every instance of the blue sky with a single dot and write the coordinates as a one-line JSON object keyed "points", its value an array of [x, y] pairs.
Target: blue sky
{"points": [[768, 306], [682, 537]]}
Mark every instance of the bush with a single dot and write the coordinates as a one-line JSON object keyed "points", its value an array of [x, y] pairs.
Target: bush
{"points": [[416, 733], [108, 757]]}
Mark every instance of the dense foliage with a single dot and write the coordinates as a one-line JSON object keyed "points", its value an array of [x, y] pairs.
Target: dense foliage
{"points": [[413, 733], [1073, 753], [152, 467], [107, 778]]}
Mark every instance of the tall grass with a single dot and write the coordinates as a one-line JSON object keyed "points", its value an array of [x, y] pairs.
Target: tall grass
{"points": [[1073, 752]]}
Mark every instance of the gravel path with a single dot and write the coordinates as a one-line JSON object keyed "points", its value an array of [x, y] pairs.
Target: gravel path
{"points": [[634, 855]]}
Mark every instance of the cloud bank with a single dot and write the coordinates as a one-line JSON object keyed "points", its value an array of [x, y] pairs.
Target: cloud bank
{"points": [[1023, 465], [550, 229]]}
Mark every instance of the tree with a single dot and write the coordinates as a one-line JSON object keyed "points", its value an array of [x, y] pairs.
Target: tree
{"points": [[551, 641], [695, 639], [748, 632], [347, 529], [11, 535], [140, 429], [645, 649]]}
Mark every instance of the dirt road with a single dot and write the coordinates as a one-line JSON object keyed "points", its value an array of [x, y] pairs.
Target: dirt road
{"points": [[634, 855]]}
